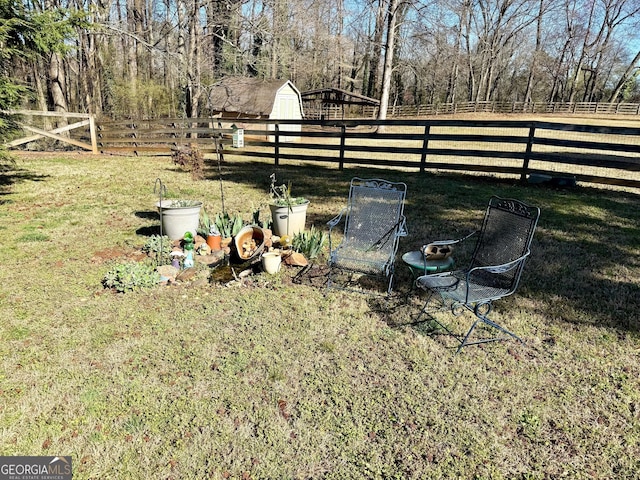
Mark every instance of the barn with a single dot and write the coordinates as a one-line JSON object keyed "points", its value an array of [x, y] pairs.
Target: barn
{"points": [[243, 97]]}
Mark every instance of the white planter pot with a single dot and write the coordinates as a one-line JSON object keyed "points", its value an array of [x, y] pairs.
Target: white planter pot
{"points": [[271, 262], [288, 221], [176, 221]]}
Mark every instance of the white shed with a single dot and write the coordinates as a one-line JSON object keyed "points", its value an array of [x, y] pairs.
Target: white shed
{"points": [[242, 97]]}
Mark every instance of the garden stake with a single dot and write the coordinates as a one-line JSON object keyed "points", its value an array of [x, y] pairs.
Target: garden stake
{"points": [[219, 156], [160, 189]]}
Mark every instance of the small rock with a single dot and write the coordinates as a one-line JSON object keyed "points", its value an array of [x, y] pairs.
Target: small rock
{"points": [[186, 274], [214, 259], [167, 273], [296, 259], [198, 241]]}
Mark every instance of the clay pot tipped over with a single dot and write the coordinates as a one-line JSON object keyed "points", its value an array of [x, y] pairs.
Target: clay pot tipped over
{"points": [[249, 242]]}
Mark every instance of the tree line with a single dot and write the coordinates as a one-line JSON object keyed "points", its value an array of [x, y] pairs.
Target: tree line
{"points": [[154, 58]]}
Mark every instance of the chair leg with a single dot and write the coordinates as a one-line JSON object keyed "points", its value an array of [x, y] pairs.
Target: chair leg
{"points": [[491, 323], [329, 281], [426, 311], [390, 284]]}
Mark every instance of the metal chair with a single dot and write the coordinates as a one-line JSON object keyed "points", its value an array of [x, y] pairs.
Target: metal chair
{"points": [[501, 250], [373, 224]]}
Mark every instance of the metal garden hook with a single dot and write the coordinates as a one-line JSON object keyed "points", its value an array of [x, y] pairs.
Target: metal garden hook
{"points": [[161, 190]]}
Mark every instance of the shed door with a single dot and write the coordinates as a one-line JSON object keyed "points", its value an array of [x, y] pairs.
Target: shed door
{"points": [[289, 107]]}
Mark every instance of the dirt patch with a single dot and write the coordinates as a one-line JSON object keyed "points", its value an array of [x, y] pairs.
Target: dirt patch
{"points": [[113, 253]]}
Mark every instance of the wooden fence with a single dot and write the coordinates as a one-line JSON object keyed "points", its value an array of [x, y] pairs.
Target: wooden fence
{"points": [[333, 112], [47, 127], [596, 154], [570, 108]]}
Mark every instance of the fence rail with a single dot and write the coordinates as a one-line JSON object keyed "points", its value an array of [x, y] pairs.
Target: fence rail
{"points": [[596, 154]]}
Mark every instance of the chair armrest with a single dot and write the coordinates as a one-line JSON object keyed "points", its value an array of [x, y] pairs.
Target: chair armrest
{"points": [[505, 267], [450, 242], [336, 220], [493, 270], [332, 223]]}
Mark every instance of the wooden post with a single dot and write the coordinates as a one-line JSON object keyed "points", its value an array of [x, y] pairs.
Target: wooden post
{"points": [[343, 131], [134, 135], [527, 154], [276, 152], [425, 146], [92, 132]]}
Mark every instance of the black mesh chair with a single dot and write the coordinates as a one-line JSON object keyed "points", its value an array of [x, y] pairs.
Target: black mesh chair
{"points": [[501, 250], [373, 224]]}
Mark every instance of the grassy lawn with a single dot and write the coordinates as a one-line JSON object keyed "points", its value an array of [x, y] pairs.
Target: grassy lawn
{"points": [[274, 379]]}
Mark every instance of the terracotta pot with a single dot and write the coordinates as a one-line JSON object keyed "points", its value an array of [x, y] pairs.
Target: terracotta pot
{"points": [[249, 242], [214, 242]]}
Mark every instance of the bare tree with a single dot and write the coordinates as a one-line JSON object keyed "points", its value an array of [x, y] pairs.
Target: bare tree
{"points": [[388, 59], [500, 24]]}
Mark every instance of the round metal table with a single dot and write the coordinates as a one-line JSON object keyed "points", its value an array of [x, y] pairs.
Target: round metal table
{"points": [[418, 266]]}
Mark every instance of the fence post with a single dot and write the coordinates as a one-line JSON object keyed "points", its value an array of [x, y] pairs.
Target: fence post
{"points": [[425, 146], [134, 135], [92, 132], [343, 133], [527, 154], [276, 152]]}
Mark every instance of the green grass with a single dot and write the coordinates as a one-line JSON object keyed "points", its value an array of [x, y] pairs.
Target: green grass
{"points": [[279, 380]]}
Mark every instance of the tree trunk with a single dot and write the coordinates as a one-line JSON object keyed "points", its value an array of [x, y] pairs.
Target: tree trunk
{"points": [[57, 84], [628, 74], [388, 61], [536, 54], [376, 52], [193, 62]]}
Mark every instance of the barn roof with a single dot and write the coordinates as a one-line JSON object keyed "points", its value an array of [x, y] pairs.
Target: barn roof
{"points": [[246, 96]]}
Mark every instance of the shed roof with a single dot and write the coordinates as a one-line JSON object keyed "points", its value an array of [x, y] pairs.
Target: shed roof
{"points": [[338, 96], [244, 95]]}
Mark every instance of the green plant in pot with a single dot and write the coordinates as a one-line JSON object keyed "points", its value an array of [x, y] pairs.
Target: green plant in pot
{"points": [[209, 231], [288, 213]]}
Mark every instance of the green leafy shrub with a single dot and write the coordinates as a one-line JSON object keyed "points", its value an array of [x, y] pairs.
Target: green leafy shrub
{"points": [[310, 243], [129, 276]]}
